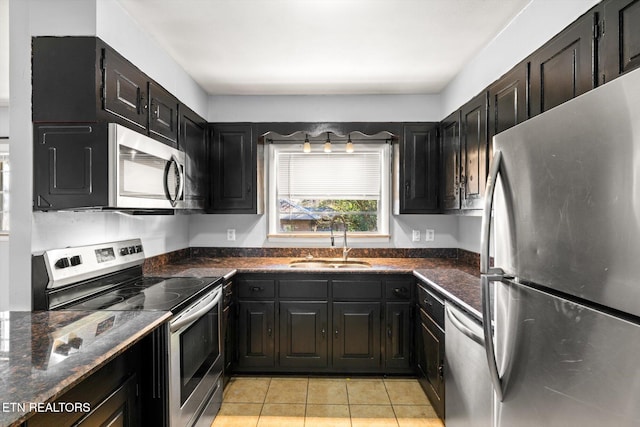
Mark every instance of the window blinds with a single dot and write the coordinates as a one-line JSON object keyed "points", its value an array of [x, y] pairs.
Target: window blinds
{"points": [[329, 175]]}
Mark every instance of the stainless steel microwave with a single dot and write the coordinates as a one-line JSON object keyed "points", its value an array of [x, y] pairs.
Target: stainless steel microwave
{"points": [[105, 166]]}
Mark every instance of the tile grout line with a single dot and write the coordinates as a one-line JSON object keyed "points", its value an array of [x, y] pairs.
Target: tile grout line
{"points": [[391, 402]]}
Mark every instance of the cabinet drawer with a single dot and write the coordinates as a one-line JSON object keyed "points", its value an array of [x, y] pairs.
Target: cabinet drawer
{"points": [[256, 288], [357, 289], [432, 305], [303, 289], [398, 290]]}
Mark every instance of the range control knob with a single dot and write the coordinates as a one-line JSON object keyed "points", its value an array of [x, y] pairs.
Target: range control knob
{"points": [[75, 260], [62, 263], [138, 249], [124, 251], [132, 249]]}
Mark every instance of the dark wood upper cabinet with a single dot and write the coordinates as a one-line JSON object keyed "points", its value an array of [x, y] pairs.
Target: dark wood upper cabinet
{"points": [[474, 149], [84, 80], [450, 161], [233, 171], [193, 141], [419, 159], [124, 89], [621, 38], [163, 114], [508, 103], [565, 67]]}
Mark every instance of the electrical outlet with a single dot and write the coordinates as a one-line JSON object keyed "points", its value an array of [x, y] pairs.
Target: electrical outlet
{"points": [[430, 235], [231, 234], [415, 236]]}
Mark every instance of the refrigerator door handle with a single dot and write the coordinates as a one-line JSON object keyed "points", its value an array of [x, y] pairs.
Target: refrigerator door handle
{"points": [[490, 274], [488, 334], [485, 236]]}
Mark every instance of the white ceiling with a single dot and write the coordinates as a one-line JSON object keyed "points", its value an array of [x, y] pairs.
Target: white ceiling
{"points": [[305, 47]]}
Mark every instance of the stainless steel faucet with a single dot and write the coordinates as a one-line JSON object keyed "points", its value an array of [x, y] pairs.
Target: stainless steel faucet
{"points": [[345, 249]]}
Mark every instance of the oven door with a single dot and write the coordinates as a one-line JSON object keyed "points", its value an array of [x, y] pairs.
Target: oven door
{"points": [[148, 173], [195, 362]]}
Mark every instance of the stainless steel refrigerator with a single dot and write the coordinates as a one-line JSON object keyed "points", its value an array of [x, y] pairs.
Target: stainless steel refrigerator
{"points": [[563, 346]]}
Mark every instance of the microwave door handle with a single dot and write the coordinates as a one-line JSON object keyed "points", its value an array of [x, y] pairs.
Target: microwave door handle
{"points": [[180, 184], [192, 317], [180, 192]]}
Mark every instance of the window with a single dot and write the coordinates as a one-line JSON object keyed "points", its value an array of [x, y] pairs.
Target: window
{"points": [[307, 190], [4, 193]]}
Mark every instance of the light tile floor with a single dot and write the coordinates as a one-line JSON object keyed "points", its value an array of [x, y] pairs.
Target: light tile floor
{"points": [[325, 402]]}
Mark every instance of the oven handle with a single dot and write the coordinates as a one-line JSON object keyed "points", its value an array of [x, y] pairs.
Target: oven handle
{"points": [[209, 301]]}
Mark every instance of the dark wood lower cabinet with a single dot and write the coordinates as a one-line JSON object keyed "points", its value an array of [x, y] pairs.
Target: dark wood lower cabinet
{"points": [[398, 333], [256, 338], [109, 397], [303, 334], [429, 342], [356, 333], [325, 323]]}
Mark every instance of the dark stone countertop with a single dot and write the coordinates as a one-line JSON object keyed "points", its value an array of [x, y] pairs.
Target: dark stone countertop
{"points": [[457, 286], [457, 281], [30, 373]]}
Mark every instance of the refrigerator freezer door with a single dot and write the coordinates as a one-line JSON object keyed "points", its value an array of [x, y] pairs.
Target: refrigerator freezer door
{"points": [[563, 364], [567, 207]]}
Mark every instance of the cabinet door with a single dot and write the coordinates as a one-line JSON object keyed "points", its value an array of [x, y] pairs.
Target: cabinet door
{"points": [[433, 363], [193, 141], [124, 89], [564, 67], [163, 115], [119, 409], [450, 163], [508, 104], [256, 334], [72, 167], [621, 38], [474, 151], [398, 335], [233, 169], [303, 334], [356, 332], [419, 152]]}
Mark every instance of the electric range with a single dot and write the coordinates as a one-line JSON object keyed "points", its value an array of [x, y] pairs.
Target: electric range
{"points": [[187, 354]]}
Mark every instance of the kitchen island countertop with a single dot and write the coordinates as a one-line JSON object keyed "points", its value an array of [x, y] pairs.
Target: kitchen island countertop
{"points": [[31, 373]]}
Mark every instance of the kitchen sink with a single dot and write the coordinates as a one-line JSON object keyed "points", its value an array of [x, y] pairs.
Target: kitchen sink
{"points": [[328, 263]]}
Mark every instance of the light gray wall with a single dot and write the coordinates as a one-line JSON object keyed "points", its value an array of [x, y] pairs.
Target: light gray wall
{"points": [[251, 231], [330, 108]]}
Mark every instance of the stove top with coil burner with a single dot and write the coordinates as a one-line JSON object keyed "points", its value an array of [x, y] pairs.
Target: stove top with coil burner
{"points": [[109, 277]]}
